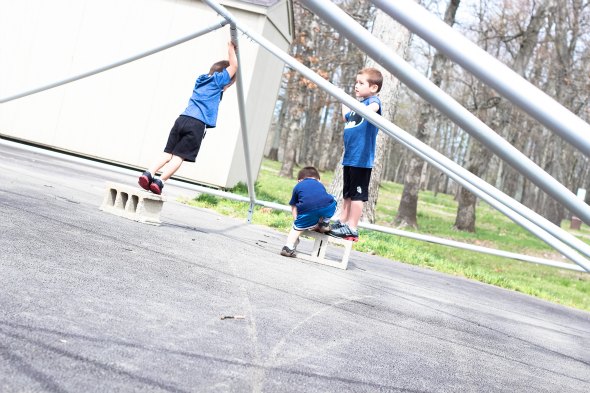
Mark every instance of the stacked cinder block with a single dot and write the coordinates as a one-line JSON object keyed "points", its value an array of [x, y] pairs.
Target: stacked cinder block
{"points": [[318, 253], [132, 203]]}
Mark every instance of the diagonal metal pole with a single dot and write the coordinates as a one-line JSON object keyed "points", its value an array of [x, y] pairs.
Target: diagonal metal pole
{"points": [[383, 55], [244, 124], [490, 70], [220, 23], [540, 227]]}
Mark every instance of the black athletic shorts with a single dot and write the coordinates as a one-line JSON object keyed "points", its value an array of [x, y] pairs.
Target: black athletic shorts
{"points": [[185, 138], [356, 183]]}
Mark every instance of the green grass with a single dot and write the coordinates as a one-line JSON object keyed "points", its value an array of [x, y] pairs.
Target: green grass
{"points": [[436, 215]]}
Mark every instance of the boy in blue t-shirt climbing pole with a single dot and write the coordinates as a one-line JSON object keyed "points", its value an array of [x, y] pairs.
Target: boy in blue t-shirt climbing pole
{"points": [[360, 139], [189, 129], [312, 208]]}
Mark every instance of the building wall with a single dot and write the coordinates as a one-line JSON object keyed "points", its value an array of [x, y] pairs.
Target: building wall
{"points": [[124, 115]]}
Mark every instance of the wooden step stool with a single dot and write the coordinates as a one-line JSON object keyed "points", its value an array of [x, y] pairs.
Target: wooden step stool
{"points": [[133, 203], [318, 253]]}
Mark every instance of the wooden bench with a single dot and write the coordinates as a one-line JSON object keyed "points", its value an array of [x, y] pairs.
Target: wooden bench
{"points": [[133, 203], [318, 253]]}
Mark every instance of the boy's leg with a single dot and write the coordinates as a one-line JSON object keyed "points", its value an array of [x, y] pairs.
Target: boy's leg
{"points": [[293, 237], [345, 208], [324, 216], [357, 194], [171, 167], [159, 163], [345, 212], [146, 179], [292, 241], [354, 214], [167, 171]]}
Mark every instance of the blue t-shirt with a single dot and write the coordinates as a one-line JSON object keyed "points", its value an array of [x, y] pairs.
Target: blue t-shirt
{"points": [[204, 103], [360, 138], [309, 194]]}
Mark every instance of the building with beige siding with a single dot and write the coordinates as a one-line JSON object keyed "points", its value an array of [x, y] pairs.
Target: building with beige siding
{"points": [[124, 115]]}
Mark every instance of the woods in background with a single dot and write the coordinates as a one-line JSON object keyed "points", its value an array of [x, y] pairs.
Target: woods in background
{"points": [[545, 41]]}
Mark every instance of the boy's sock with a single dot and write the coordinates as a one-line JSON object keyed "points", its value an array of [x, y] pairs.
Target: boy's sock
{"points": [[323, 226], [293, 246]]}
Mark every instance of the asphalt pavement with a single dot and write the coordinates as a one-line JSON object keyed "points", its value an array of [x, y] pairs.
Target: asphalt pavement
{"points": [[93, 302]]}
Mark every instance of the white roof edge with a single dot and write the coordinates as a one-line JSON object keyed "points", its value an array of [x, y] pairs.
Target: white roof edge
{"points": [[261, 9], [256, 8]]}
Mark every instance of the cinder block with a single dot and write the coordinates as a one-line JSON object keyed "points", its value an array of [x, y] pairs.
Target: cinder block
{"points": [[132, 203], [318, 253]]}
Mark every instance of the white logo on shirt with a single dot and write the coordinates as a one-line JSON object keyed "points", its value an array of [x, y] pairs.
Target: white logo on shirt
{"points": [[354, 120]]}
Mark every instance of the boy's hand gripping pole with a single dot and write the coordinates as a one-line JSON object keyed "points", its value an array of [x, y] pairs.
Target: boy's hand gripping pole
{"points": [[233, 31]]}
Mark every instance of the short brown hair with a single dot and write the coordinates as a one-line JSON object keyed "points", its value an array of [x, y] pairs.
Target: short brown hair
{"points": [[220, 66], [374, 77], [308, 171]]}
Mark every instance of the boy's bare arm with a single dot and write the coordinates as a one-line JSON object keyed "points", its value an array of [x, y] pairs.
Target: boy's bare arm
{"points": [[233, 60], [345, 110], [374, 107], [294, 211]]}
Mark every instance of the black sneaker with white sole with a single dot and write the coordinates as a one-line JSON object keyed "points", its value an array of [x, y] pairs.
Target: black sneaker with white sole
{"points": [[336, 224], [288, 252], [345, 232]]}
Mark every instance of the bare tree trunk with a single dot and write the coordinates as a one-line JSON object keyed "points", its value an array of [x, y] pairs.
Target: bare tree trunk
{"points": [[274, 137], [336, 187], [465, 219], [293, 136], [408, 206]]}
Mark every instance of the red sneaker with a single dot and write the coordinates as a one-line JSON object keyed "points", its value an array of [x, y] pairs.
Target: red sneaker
{"points": [[156, 186], [145, 180]]}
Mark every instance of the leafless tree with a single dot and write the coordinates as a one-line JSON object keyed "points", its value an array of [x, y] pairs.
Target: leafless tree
{"points": [[407, 211]]}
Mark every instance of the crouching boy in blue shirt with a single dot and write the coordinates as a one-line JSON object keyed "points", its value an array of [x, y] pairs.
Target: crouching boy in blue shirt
{"points": [[312, 208]]}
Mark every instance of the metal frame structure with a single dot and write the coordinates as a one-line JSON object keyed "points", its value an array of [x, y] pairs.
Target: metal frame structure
{"points": [[408, 13], [243, 124], [219, 24], [565, 243]]}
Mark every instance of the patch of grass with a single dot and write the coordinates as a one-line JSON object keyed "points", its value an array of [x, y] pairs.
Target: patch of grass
{"points": [[436, 216], [207, 200]]}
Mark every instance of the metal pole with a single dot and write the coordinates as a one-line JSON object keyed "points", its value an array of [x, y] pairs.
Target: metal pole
{"points": [[429, 91], [456, 172], [220, 23], [491, 71], [243, 123], [472, 247]]}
